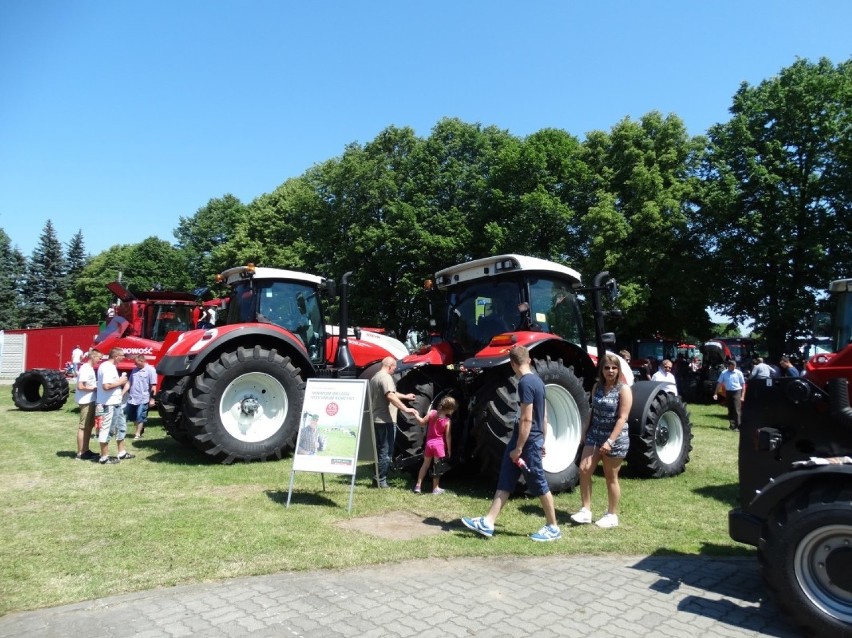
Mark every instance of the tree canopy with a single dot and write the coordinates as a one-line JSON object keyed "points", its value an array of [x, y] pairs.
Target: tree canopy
{"points": [[752, 220]]}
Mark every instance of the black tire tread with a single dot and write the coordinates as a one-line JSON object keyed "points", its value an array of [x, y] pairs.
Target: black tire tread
{"points": [[40, 389]]}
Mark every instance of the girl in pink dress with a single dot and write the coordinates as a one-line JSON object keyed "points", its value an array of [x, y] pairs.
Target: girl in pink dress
{"points": [[437, 440]]}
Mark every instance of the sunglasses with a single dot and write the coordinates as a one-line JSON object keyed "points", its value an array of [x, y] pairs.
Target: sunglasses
{"points": [[610, 367]]}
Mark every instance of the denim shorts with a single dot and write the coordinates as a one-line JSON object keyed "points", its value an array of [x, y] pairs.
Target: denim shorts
{"points": [[136, 413], [534, 474], [114, 424], [596, 438]]}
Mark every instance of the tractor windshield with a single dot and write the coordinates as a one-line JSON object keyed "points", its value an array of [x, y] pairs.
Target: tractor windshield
{"points": [[484, 309], [656, 350], [168, 317], [842, 326], [293, 305]]}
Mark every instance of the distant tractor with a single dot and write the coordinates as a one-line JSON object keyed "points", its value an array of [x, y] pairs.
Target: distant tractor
{"points": [[140, 324], [234, 391], [490, 305], [795, 483], [742, 349]]}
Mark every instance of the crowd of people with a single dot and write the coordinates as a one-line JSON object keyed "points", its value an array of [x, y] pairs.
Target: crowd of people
{"points": [[108, 399]]}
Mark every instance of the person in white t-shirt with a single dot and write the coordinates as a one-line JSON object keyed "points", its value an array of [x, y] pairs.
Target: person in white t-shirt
{"points": [[85, 394], [664, 375], [76, 358], [111, 387]]}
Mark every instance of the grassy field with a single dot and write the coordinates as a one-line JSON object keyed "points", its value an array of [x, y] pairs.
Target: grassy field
{"points": [[75, 530]]}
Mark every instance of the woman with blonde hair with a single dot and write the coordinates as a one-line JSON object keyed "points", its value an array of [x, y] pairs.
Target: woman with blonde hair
{"points": [[607, 440]]}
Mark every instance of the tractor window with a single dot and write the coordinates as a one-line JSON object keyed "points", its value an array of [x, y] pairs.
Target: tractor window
{"points": [[482, 311], [842, 326], [554, 309], [171, 317], [294, 307]]}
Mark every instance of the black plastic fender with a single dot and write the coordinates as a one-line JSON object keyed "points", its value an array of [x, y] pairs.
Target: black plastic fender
{"points": [[745, 524], [643, 395]]}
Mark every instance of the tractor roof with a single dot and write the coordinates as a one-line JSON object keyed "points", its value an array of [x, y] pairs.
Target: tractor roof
{"points": [[501, 265], [233, 275], [841, 285]]}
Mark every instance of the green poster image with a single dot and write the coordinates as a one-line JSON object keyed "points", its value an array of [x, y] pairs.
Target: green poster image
{"points": [[330, 426]]}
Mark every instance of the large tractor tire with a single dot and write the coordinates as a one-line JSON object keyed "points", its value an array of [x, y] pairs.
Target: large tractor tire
{"points": [[806, 560], [426, 384], [40, 390], [663, 442], [170, 408], [496, 408], [245, 406]]}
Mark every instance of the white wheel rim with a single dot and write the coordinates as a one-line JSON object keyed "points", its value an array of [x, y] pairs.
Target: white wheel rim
{"points": [[812, 574], [668, 437], [253, 407], [563, 435]]}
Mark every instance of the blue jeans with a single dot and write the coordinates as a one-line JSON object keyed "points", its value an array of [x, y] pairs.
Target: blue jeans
{"points": [[384, 449]]}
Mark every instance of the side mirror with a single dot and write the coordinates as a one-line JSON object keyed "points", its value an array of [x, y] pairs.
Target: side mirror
{"points": [[608, 339], [611, 287], [331, 288]]}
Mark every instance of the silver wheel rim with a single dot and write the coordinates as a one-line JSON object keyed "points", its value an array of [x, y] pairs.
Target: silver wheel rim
{"points": [[668, 437], [253, 407], [812, 573], [563, 435]]}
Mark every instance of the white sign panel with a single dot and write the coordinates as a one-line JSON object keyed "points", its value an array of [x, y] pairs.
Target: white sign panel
{"points": [[330, 426]]}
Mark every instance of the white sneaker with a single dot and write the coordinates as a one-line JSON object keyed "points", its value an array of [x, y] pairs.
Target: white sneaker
{"points": [[582, 517], [607, 520]]}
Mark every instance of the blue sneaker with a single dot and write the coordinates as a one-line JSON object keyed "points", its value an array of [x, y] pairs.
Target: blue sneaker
{"points": [[479, 526], [546, 533]]}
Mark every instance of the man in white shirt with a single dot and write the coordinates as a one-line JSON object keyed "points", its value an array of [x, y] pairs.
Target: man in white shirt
{"points": [[664, 375], [760, 370], [84, 395], [76, 359], [111, 387], [733, 382]]}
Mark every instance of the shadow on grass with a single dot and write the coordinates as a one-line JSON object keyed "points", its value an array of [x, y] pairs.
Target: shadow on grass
{"points": [[299, 498], [728, 494]]}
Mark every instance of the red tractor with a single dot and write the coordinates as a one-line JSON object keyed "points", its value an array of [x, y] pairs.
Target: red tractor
{"points": [[235, 391], [742, 350], [795, 479], [489, 306], [139, 325], [648, 354], [143, 319]]}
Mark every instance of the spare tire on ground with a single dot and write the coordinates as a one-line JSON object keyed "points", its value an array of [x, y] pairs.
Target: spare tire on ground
{"points": [[40, 389]]}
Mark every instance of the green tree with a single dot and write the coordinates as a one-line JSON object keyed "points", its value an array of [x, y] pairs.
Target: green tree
{"points": [[44, 288], [639, 224], [13, 265], [199, 236], [538, 189], [152, 263], [75, 262], [777, 198]]}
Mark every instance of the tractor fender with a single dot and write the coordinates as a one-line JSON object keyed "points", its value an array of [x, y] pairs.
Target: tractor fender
{"points": [[540, 345], [746, 524], [180, 360], [643, 396], [438, 354], [838, 396]]}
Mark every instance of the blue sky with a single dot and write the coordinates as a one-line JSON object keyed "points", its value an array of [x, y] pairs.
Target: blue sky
{"points": [[118, 117]]}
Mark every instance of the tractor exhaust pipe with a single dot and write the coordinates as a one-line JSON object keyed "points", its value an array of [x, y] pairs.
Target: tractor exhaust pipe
{"points": [[343, 360]]}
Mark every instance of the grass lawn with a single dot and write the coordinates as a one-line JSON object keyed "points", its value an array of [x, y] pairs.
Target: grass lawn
{"points": [[76, 530]]}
